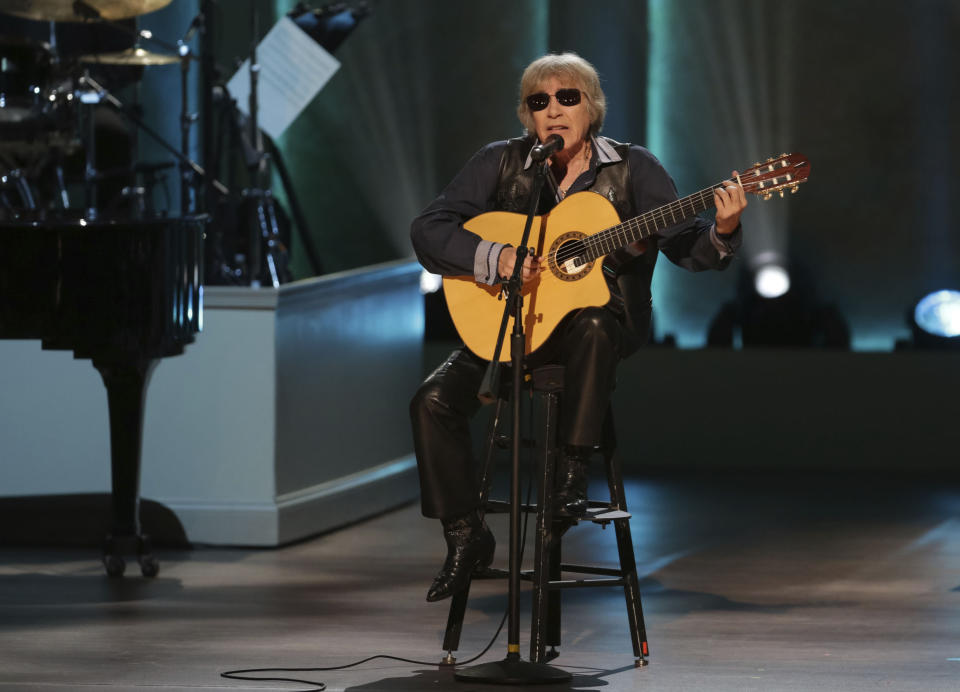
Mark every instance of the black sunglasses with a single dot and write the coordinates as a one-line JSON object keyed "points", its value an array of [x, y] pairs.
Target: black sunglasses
{"points": [[565, 97]]}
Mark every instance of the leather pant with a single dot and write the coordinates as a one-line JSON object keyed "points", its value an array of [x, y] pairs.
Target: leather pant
{"points": [[589, 343]]}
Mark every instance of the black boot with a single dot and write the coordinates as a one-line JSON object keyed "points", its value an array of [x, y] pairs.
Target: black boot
{"points": [[470, 548], [570, 494]]}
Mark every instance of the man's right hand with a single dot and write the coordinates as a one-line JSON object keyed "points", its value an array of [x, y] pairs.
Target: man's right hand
{"points": [[508, 257]]}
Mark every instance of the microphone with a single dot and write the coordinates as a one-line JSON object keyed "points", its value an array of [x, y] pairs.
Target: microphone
{"points": [[553, 144]]}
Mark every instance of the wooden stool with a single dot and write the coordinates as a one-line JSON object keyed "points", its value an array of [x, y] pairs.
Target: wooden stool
{"points": [[547, 574]]}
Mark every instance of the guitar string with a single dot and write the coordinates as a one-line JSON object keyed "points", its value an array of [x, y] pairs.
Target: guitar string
{"points": [[634, 225], [597, 240]]}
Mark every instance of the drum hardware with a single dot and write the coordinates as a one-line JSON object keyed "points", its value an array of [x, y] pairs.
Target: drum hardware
{"points": [[179, 53], [268, 254], [86, 94], [91, 86], [328, 26], [66, 113], [15, 181], [89, 97], [187, 119]]}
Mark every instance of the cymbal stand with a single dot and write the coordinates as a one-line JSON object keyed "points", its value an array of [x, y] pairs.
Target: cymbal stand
{"points": [[89, 98], [187, 203], [59, 182]]}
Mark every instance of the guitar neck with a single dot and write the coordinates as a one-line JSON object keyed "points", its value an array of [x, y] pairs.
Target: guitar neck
{"points": [[640, 227]]}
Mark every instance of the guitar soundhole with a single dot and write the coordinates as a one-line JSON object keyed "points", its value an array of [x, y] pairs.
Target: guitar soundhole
{"points": [[566, 259]]}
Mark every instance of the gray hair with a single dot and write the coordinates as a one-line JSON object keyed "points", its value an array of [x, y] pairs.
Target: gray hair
{"points": [[568, 67]]}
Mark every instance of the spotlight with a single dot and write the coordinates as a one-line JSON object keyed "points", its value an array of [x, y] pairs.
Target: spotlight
{"points": [[935, 320], [771, 281], [330, 24], [777, 306]]}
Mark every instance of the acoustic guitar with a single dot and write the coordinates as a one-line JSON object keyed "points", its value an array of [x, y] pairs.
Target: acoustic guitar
{"points": [[572, 240]]}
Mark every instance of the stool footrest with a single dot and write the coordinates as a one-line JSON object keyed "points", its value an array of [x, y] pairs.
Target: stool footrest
{"points": [[584, 583], [590, 569], [491, 573], [598, 512], [503, 507], [497, 573], [606, 513], [527, 574]]}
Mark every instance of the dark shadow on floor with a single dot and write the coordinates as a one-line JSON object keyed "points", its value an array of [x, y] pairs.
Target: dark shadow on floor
{"points": [[442, 680], [79, 520]]}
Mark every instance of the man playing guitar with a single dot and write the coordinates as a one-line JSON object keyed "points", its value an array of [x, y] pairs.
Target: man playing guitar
{"points": [[592, 181]]}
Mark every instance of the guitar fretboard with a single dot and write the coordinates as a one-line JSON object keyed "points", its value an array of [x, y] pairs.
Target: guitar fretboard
{"points": [[640, 227]]}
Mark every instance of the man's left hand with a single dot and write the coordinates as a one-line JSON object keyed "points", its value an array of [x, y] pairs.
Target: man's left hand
{"points": [[731, 201]]}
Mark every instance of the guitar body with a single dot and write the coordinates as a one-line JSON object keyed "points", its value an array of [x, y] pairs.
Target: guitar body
{"points": [[561, 287]]}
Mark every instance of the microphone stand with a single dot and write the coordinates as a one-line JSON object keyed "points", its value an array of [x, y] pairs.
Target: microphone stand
{"points": [[513, 670]]}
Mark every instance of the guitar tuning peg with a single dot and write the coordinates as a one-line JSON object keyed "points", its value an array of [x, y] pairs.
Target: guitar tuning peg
{"points": [[757, 164], [781, 194], [767, 196], [793, 190]]}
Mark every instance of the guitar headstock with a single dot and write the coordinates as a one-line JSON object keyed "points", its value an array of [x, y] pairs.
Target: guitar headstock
{"points": [[776, 174]]}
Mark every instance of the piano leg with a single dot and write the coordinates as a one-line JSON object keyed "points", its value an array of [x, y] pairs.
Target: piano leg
{"points": [[126, 381]]}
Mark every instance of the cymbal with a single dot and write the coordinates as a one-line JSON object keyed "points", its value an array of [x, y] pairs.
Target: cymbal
{"points": [[131, 56], [64, 10]]}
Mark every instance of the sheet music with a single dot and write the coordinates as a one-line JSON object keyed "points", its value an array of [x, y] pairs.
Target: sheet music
{"points": [[293, 68]]}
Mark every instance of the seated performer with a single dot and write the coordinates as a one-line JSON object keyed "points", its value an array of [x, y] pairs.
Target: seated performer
{"points": [[559, 94]]}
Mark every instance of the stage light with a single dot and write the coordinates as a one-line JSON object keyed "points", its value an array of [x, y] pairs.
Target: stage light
{"points": [[330, 24], [938, 313], [771, 281], [778, 306], [935, 322]]}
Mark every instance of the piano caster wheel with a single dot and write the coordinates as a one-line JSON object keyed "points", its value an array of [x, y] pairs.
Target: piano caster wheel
{"points": [[114, 565], [114, 547], [149, 567]]}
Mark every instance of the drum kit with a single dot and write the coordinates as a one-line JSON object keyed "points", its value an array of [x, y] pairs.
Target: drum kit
{"points": [[66, 141], [70, 72]]}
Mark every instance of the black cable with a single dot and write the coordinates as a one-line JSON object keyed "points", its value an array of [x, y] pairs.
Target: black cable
{"points": [[240, 674]]}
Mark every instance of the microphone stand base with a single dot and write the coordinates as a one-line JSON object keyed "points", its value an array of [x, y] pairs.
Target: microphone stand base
{"points": [[513, 671]]}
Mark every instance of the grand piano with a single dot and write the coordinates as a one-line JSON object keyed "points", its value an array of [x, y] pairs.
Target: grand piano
{"points": [[121, 293]]}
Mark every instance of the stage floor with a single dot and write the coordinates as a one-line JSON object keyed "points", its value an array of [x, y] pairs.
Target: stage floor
{"points": [[771, 583]]}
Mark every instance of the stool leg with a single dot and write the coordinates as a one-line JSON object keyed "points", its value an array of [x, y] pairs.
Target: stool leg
{"points": [[553, 597], [545, 539], [628, 563], [451, 638], [631, 590]]}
